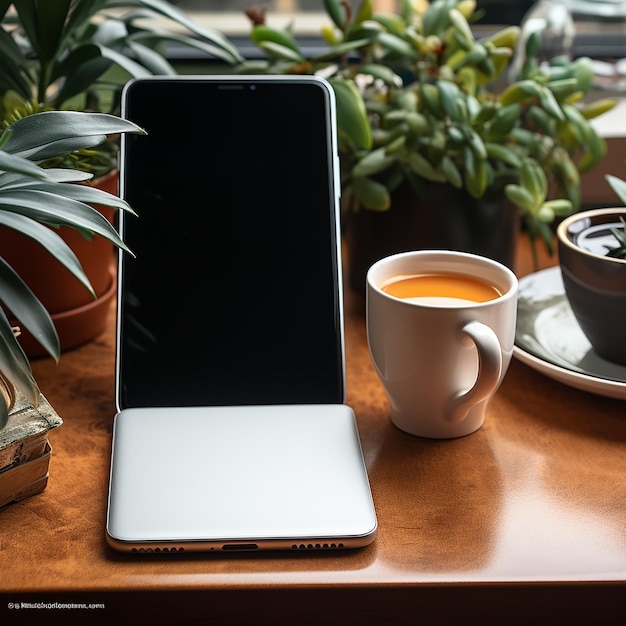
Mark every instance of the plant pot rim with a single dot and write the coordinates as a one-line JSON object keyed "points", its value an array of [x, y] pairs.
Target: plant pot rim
{"points": [[564, 228], [78, 325]]}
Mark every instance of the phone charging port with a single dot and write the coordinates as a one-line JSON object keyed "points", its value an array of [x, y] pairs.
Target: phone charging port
{"points": [[239, 547]]}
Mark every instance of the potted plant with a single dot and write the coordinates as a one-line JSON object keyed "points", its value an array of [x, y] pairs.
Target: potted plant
{"points": [[58, 55], [431, 136], [32, 200], [592, 260], [77, 55]]}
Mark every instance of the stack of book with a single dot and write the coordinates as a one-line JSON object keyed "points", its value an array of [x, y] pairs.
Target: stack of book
{"points": [[25, 450]]}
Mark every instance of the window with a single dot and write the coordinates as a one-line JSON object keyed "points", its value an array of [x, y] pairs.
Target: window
{"points": [[229, 16], [309, 15]]}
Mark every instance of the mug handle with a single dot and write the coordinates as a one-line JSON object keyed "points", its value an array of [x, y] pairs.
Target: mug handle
{"points": [[489, 370]]}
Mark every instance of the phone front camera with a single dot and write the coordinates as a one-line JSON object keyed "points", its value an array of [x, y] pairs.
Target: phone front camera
{"points": [[252, 87]]}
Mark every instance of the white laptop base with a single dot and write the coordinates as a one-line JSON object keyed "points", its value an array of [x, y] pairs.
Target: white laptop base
{"points": [[288, 477]]}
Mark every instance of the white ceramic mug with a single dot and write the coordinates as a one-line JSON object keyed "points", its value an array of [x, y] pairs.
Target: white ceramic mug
{"points": [[440, 361]]}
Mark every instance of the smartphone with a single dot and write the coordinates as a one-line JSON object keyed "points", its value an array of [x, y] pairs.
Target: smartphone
{"points": [[233, 295]]}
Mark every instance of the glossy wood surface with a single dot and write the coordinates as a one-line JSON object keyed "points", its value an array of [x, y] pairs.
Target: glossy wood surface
{"points": [[522, 522]]}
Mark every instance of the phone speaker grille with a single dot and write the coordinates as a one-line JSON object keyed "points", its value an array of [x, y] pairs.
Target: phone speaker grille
{"points": [[158, 550], [317, 546]]}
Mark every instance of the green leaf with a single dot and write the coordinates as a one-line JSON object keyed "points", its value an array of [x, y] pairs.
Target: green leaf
{"points": [[533, 178], [476, 57], [13, 68], [582, 68], [262, 34], [87, 194], [149, 58], [33, 132], [406, 100], [396, 44], [57, 210], [451, 172], [563, 87], [618, 186], [460, 24], [560, 206], [406, 10], [30, 17], [475, 173], [544, 122], [455, 136], [382, 72], [63, 147], [282, 52], [475, 142], [504, 154], [371, 194], [483, 113], [13, 163], [80, 16], [132, 67], [468, 81], [51, 17], [532, 47], [451, 98], [436, 18], [594, 151], [14, 366], [545, 214], [504, 120], [598, 107], [505, 38], [365, 32], [53, 174], [166, 9], [430, 99], [81, 69], [336, 12], [373, 163], [50, 241], [420, 165], [520, 197], [418, 123], [619, 251], [521, 91], [363, 13], [352, 117], [340, 49], [392, 23], [28, 309], [550, 104], [396, 146]]}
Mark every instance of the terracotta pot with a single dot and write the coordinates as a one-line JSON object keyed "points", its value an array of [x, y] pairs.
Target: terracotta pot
{"points": [[77, 316], [443, 218]]}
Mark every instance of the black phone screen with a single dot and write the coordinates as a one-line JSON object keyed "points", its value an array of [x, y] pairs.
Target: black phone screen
{"points": [[233, 296]]}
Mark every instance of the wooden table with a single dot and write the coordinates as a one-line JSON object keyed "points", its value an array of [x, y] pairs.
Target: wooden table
{"points": [[523, 522]]}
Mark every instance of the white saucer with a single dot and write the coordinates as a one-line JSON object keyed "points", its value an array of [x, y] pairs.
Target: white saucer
{"points": [[549, 339]]}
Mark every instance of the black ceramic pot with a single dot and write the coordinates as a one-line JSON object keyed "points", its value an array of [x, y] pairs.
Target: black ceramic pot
{"points": [[595, 284], [443, 217]]}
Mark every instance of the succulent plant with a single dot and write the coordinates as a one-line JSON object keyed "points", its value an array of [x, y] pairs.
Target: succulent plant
{"points": [[420, 99]]}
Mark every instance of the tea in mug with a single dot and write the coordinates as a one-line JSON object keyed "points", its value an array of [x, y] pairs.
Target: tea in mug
{"points": [[440, 288]]}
